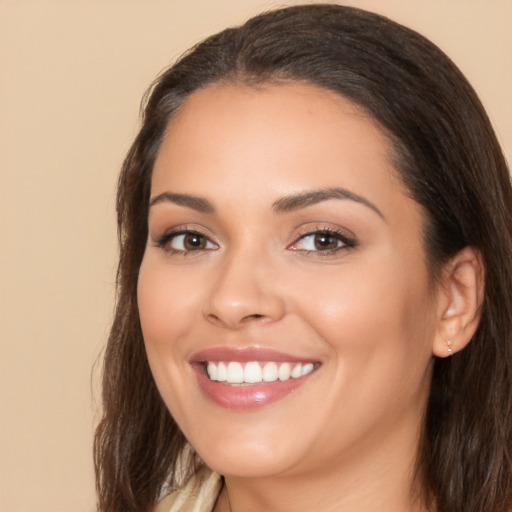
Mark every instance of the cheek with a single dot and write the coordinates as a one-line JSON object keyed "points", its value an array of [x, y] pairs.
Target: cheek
{"points": [[168, 303], [378, 314], [167, 307], [379, 331]]}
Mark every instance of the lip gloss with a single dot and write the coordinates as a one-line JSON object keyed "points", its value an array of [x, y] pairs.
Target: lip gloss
{"points": [[245, 396]]}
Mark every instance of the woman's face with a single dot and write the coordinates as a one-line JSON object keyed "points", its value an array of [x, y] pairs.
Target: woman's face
{"points": [[280, 242]]}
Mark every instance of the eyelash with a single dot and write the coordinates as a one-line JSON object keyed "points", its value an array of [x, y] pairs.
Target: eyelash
{"points": [[164, 240], [346, 242]]}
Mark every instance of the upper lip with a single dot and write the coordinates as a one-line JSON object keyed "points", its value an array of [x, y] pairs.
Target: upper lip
{"points": [[247, 354]]}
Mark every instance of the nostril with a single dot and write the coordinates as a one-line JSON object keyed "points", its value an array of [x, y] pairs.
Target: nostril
{"points": [[253, 317], [234, 312]]}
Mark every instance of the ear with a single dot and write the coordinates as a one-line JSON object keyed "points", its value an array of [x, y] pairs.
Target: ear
{"points": [[460, 298]]}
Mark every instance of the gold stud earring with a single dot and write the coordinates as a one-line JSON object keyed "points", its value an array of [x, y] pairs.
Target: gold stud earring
{"points": [[450, 348]]}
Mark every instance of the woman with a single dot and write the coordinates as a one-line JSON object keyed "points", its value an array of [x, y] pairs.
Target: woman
{"points": [[314, 283]]}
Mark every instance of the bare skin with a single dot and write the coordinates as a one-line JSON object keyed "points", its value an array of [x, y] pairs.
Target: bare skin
{"points": [[244, 252]]}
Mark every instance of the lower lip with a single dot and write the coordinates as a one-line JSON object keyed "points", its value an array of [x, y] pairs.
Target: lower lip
{"points": [[249, 396]]}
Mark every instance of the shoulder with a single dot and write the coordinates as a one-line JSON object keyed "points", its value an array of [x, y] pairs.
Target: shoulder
{"points": [[197, 495]]}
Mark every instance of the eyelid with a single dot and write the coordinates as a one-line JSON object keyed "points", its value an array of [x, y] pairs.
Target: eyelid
{"points": [[347, 240], [172, 233]]}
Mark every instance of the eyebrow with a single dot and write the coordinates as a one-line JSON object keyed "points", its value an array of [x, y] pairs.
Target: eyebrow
{"points": [[283, 205], [305, 199], [195, 203]]}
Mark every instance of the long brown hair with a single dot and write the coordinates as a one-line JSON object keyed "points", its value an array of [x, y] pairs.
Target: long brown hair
{"points": [[448, 158]]}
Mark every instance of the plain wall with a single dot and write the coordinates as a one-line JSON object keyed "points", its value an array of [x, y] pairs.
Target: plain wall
{"points": [[72, 74]]}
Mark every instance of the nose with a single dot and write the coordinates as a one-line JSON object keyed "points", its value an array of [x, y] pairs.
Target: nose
{"points": [[243, 293]]}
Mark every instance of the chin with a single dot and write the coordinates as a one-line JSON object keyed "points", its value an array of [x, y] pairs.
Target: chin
{"points": [[249, 460]]}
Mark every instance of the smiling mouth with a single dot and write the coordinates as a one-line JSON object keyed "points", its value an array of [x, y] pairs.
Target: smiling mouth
{"points": [[256, 372], [250, 377]]}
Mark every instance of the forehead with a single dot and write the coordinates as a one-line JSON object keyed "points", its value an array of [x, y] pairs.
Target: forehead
{"points": [[289, 132]]}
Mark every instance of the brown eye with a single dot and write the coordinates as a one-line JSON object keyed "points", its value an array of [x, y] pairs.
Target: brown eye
{"points": [[193, 241], [325, 242], [187, 241], [322, 242]]}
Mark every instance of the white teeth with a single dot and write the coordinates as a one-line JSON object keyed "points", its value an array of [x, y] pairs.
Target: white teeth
{"points": [[270, 372], [297, 371], [307, 368], [284, 371], [222, 372], [211, 369], [235, 373], [253, 372]]}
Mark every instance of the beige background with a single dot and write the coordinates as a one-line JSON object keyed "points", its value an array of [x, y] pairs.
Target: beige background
{"points": [[71, 77]]}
